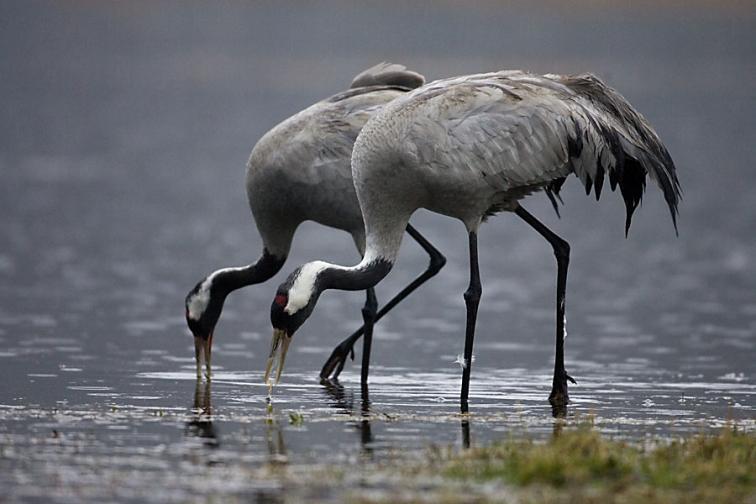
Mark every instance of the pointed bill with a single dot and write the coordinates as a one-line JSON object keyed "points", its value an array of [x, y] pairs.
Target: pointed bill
{"points": [[280, 343], [199, 349], [208, 344], [202, 352]]}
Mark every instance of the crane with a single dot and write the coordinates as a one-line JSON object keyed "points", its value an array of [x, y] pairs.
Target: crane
{"points": [[300, 171], [472, 146]]}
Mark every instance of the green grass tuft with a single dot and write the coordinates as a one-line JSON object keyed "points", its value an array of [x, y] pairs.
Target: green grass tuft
{"points": [[570, 458], [296, 418], [582, 464]]}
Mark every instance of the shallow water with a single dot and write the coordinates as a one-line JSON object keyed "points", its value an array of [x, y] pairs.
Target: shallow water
{"points": [[122, 157]]}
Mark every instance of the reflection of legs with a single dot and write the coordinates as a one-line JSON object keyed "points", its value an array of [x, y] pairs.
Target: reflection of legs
{"points": [[200, 425], [561, 248], [343, 401], [202, 398], [335, 363], [472, 299], [465, 433], [366, 433], [368, 317], [276, 442]]}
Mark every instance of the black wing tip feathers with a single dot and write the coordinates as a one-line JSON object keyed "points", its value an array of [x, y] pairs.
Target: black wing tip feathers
{"points": [[553, 201], [637, 150], [552, 191]]}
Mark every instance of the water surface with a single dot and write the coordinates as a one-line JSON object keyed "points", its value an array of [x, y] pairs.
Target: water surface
{"points": [[122, 146]]}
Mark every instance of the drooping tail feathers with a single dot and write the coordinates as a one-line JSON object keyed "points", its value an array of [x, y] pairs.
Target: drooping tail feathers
{"points": [[620, 144], [388, 74]]}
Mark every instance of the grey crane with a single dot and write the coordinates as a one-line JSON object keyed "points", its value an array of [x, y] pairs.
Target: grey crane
{"points": [[299, 171], [469, 147]]}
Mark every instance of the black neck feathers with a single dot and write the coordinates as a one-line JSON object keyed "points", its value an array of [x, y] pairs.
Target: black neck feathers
{"points": [[228, 280], [354, 279]]}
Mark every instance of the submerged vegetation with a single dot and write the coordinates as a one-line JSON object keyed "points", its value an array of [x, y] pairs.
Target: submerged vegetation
{"points": [[581, 465], [296, 418]]}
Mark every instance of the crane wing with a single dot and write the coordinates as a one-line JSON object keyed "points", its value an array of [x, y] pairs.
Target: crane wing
{"points": [[318, 141], [515, 129]]}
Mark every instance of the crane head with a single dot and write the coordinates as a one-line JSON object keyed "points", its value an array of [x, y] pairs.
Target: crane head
{"points": [[293, 304], [203, 307]]}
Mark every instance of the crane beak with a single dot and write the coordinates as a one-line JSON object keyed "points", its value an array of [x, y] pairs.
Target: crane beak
{"points": [[202, 352], [280, 343]]}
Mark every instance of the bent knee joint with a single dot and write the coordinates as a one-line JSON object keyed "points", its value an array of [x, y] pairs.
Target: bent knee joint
{"points": [[473, 294], [437, 262], [562, 250], [369, 311]]}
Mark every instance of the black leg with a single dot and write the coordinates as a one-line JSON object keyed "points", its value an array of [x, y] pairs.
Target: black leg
{"points": [[368, 317], [472, 299], [335, 363], [558, 396]]}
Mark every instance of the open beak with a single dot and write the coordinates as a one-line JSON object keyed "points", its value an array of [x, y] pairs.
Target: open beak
{"points": [[280, 343], [203, 348]]}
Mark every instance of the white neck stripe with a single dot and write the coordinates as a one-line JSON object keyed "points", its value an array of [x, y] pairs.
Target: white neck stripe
{"points": [[304, 285], [198, 303]]}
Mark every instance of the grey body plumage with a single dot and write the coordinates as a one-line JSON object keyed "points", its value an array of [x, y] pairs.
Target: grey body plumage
{"points": [[300, 171], [471, 146]]}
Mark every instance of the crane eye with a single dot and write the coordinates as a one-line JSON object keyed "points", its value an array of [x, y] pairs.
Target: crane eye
{"points": [[281, 300]]}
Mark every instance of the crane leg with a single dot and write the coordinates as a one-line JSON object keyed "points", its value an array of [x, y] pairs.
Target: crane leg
{"points": [[368, 317], [558, 396], [335, 363], [472, 299]]}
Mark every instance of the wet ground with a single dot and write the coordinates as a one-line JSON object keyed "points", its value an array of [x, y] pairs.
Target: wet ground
{"points": [[124, 133]]}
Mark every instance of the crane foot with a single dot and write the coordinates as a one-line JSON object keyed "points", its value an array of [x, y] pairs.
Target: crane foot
{"points": [[559, 395], [335, 363]]}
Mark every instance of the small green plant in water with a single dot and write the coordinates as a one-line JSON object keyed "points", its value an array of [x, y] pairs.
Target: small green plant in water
{"points": [[296, 418]]}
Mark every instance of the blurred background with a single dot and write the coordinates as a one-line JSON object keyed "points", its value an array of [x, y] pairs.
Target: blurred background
{"points": [[124, 132], [126, 127]]}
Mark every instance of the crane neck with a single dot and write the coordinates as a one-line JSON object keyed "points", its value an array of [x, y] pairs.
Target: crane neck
{"points": [[382, 246], [301, 290], [360, 277], [227, 280]]}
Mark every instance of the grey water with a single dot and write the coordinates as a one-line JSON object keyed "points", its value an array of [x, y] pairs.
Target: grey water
{"points": [[124, 133]]}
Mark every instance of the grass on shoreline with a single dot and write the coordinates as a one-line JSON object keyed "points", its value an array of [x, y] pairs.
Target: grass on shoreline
{"points": [[581, 465]]}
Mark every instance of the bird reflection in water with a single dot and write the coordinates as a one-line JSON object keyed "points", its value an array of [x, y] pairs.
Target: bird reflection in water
{"points": [[201, 425], [343, 402], [557, 429], [465, 432], [274, 439], [559, 411]]}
